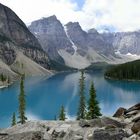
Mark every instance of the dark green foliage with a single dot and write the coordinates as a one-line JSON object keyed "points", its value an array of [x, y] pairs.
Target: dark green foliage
{"points": [[93, 105], [53, 65], [13, 119], [22, 102], [99, 66], [62, 115], [4, 38], [3, 78], [81, 114], [127, 71]]}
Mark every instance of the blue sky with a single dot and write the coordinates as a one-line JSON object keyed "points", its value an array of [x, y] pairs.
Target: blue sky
{"points": [[116, 15], [80, 3]]}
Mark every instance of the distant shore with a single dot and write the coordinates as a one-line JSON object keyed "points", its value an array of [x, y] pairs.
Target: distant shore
{"points": [[128, 80]]}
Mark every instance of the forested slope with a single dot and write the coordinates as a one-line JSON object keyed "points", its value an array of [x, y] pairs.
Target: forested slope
{"points": [[126, 71]]}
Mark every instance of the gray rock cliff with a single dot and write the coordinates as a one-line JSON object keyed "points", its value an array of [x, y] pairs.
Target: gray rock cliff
{"points": [[52, 36], [12, 29]]}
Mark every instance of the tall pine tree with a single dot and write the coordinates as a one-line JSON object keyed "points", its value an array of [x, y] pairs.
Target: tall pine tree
{"points": [[62, 115], [22, 102], [81, 114], [93, 105], [13, 119]]}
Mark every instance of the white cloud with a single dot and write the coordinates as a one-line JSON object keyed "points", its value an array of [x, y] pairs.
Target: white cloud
{"points": [[29, 10], [121, 14]]}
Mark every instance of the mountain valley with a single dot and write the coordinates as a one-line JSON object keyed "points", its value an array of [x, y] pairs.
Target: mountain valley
{"points": [[69, 44]]}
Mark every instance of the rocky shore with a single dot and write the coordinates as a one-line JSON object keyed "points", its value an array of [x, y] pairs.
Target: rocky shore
{"points": [[124, 125]]}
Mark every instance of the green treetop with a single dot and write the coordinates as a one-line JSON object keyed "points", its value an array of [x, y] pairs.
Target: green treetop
{"points": [[62, 115], [81, 114], [22, 102], [13, 119], [93, 105]]}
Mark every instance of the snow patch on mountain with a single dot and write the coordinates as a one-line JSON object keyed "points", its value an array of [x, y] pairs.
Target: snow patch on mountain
{"points": [[125, 57], [73, 45], [133, 55]]}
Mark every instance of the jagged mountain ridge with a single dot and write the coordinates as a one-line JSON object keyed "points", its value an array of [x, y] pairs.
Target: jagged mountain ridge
{"points": [[16, 40], [48, 31], [53, 36], [71, 45], [125, 42]]}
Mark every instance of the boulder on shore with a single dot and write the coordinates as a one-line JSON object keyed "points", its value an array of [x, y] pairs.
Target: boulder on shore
{"points": [[120, 112], [104, 128]]}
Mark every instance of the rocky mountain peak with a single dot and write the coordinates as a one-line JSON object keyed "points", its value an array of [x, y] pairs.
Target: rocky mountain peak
{"points": [[52, 36], [16, 37], [77, 34], [13, 27], [73, 41], [93, 31], [74, 26], [52, 18], [47, 25]]}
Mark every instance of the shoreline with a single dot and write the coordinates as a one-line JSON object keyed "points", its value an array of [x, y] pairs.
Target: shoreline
{"points": [[123, 125], [4, 86], [127, 80]]}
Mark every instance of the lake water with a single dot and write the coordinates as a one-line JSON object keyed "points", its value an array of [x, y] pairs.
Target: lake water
{"points": [[45, 96]]}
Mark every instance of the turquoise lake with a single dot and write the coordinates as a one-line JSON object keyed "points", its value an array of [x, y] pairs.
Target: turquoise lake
{"points": [[44, 96]]}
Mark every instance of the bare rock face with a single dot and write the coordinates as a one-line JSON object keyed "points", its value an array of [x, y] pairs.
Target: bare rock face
{"points": [[23, 136], [71, 41], [98, 43], [104, 122], [61, 42], [124, 42], [52, 36], [134, 108], [15, 35], [7, 53], [61, 130], [136, 127], [120, 112], [129, 43], [104, 128], [132, 112], [132, 116], [89, 46], [91, 39], [13, 28], [110, 134], [76, 34]]}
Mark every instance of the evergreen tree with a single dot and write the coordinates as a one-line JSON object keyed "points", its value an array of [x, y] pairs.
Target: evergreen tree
{"points": [[62, 115], [3, 77], [13, 119], [93, 105], [82, 105], [22, 102]]}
